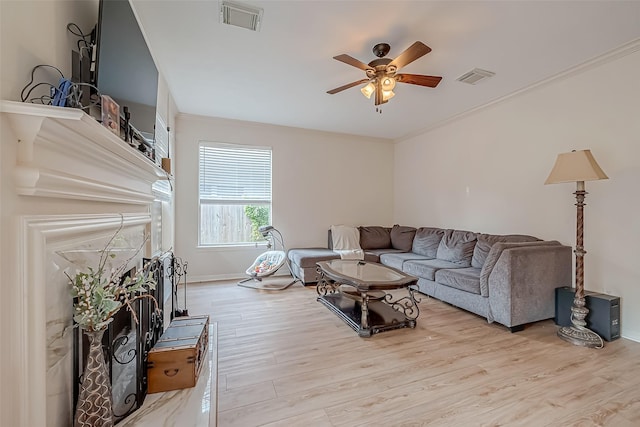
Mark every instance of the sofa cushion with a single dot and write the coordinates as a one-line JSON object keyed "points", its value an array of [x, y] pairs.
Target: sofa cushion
{"points": [[375, 237], [457, 246], [465, 279], [402, 237], [485, 241], [307, 257], [426, 269], [426, 241], [396, 260], [373, 255]]}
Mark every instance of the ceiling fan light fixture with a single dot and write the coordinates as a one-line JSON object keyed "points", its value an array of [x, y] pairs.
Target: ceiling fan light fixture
{"points": [[368, 90], [381, 72], [388, 83], [387, 95]]}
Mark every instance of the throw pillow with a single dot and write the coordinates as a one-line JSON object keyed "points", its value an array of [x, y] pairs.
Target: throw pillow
{"points": [[402, 237], [426, 241], [375, 237], [457, 246]]}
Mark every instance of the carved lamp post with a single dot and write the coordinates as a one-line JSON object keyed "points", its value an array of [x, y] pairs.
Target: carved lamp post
{"points": [[578, 166]]}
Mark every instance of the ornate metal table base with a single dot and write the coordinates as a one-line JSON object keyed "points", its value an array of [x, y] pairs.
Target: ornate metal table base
{"points": [[381, 316], [368, 313]]}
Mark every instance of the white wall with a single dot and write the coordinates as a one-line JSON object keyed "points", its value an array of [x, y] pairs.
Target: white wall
{"points": [[35, 32], [318, 179], [485, 172]]}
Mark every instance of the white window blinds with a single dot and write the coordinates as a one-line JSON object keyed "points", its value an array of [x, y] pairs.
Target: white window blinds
{"points": [[234, 173]]}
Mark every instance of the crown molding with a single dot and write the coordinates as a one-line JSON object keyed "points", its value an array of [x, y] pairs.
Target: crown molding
{"points": [[615, 54]]}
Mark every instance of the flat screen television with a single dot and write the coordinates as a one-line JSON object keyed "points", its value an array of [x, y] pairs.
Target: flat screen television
{"points": [[124, 68]]}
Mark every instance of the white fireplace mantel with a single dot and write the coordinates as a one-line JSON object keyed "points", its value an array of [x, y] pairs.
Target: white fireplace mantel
{"points": [[67, 182], [62, 153]]}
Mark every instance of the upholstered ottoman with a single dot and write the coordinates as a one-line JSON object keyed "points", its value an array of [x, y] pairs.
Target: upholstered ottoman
{"points": [[303, 262]]}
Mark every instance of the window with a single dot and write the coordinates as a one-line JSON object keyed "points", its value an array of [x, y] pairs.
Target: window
{"points": [[235, 193]]}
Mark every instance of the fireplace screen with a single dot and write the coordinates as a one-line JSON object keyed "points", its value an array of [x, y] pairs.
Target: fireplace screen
{"points": [[126, 344]]}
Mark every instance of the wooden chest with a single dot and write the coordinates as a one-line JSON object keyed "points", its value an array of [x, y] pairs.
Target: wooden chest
{"points": [[176, 359]]}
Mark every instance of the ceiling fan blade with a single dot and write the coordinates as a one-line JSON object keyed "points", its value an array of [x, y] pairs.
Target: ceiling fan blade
{"points": [[412, 53], [347, 86], [418, 79], [352, 61]]}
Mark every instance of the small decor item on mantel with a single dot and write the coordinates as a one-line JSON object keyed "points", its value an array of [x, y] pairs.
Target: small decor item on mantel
{"points": [[110, 114], [166, 165], [98, 295]]}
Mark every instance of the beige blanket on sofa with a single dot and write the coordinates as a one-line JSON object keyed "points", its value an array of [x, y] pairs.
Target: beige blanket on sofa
{"points": [[346, 242]]}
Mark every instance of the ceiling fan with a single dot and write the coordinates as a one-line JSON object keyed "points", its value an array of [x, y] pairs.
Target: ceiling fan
{"points": [[382, 72]]}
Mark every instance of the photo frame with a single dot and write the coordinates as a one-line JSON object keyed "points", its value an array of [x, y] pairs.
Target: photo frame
{"points": [[110, 114]]}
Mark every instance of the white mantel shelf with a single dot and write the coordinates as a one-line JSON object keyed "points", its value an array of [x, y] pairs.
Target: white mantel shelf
{"points": [[65, 153]]}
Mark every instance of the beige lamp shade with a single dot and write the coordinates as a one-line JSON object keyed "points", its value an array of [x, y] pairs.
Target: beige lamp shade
{"points": [[574, 167]]}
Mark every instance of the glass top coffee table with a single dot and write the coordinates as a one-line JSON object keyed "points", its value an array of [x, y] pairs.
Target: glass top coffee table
{"points": [[356, 292]]}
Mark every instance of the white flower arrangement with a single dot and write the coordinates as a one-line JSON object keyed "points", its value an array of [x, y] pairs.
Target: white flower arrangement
{"points": [[98, 296]]}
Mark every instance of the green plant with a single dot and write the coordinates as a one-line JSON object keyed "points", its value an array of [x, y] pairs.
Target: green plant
{"points": [[259, 216], [100, 295]]}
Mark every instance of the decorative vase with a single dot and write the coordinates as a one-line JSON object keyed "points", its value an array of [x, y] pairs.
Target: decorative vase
{"points": [[95, 406]]}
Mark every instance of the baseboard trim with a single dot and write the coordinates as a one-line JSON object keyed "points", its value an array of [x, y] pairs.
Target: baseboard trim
{"points": [[225, 277], [631, 335]]}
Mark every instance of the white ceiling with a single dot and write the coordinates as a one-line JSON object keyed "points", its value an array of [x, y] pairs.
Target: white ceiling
{"points": [[280, 74]]}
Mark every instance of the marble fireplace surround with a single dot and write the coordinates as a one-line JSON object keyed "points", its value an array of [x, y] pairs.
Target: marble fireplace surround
{"points": [[64, 160], [59, 244]]}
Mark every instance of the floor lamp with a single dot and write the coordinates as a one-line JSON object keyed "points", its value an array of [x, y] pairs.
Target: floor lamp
{"points": [[578, 166]]}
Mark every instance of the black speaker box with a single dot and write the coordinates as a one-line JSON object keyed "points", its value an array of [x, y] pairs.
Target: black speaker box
{"points": [[604, 312]]}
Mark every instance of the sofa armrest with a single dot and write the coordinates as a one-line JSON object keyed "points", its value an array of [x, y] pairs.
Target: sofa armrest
{"points": [[496, 252], [521, 285]]}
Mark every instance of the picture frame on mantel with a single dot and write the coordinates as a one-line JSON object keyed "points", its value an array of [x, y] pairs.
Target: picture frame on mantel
{"points": [[110, 114]]}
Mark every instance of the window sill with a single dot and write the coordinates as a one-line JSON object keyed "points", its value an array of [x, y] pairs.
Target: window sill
{"points": [[232, 247]]}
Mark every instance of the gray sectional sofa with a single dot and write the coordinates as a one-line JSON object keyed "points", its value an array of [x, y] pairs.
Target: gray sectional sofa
{"points": [[509, 279]]}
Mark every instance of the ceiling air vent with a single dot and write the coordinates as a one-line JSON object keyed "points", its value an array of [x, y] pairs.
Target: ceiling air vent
{"points": [[474, 76], [240, 15]]}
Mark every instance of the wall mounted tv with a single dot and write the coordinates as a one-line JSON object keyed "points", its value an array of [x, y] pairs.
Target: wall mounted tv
{"points": [[124, 67]]}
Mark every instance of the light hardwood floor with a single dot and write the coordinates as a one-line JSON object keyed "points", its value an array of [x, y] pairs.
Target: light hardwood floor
{"points": [[286, 360]]}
